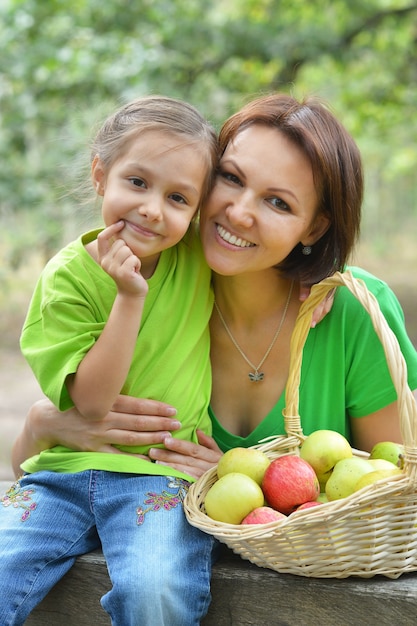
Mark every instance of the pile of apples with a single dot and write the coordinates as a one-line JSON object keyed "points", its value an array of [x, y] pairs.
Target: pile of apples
{"points": [[252, 489]]}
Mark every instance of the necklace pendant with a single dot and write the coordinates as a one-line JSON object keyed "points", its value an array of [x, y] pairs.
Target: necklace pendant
{"points": [[256, 376]]}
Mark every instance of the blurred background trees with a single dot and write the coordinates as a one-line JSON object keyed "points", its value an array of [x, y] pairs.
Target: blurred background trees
{"points": [[64, 66]]}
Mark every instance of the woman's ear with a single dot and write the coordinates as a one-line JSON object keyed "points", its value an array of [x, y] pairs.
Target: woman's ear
{"points": [[320, 226], [98, 175]]}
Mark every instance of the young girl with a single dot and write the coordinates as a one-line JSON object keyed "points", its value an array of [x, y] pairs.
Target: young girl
{"points": [[124, 310]]}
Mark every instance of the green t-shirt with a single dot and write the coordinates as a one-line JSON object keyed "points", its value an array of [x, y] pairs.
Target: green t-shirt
{"points": [[68, 311], [344, 371]]}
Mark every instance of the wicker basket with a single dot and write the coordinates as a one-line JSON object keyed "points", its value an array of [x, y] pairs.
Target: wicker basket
{"points": [[373, 531]]}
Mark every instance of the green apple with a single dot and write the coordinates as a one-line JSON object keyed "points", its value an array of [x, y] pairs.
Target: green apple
{"points": [[322, 497], [345, 476], [381, 464], [322, 450], [389, 451], [232, 498], [373, 477], [249, 461]]}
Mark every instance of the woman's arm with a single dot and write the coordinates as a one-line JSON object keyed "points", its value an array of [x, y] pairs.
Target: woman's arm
{"points": [[132, 422], [34, 437], [382, 425]]}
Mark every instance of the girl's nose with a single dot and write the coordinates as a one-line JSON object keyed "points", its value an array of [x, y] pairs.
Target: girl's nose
{"points": [[152, 209]]}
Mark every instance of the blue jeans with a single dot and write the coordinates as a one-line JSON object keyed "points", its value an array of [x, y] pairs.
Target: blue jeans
{"points": [[159, 565]]}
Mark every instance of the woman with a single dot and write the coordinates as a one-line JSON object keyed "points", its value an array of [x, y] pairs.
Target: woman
{"points": [[285, 208]]}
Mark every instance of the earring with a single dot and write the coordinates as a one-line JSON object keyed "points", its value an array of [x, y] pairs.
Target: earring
{"points": [[306, 250]]}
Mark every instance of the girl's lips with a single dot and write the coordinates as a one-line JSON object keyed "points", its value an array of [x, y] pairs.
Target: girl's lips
{"points": [[233, 240], [137, 228]]}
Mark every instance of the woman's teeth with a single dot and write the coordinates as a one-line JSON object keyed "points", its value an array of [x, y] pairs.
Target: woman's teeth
{"points": [[232, 239]]}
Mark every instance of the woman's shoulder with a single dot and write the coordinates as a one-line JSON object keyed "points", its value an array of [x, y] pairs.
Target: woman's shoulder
{"points": [[373, 283], [387, 300]]}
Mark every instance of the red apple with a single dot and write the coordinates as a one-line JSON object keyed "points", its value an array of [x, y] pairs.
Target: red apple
{"points": [[263, 515], [288, 482], [308, 505]]}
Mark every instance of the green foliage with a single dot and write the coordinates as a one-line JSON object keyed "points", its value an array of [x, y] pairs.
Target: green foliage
{"points": [[64, 66]]}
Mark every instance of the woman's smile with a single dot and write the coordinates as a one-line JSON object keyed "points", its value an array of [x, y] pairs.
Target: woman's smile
{"points": [[233, 240]]}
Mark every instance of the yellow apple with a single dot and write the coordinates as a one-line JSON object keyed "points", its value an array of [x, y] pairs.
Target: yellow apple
{"points": [[232, 498], [322, 450], [373, 477], [249, 461], [381, 464], [345, 476]]}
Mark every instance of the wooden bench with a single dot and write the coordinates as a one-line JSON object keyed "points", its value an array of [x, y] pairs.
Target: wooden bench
{"points": [[244, 594]]}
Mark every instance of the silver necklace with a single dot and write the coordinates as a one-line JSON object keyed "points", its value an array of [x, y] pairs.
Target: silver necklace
{"points": [[256, 375]]}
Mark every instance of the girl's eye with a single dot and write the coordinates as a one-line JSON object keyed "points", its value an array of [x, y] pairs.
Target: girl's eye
{"points": [[279, 204], [178, 198], [138, 182]]}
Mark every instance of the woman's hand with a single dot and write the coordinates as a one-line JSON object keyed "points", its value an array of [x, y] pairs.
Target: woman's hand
{"points": [[132, 422], [191, 458], [322, 308]]}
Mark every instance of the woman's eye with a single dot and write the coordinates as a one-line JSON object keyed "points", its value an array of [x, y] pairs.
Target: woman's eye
{"points": [[138, 182], [230, 177], [278, 203]]}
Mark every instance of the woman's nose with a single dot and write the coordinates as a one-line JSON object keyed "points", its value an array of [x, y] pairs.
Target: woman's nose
{"points": [[242, 210]]}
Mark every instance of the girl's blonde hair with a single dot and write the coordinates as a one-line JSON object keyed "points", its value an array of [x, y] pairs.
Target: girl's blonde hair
{"points": [[159, 113]]}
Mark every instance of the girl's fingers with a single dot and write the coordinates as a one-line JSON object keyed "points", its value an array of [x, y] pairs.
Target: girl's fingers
{"points": [[104, 239]]}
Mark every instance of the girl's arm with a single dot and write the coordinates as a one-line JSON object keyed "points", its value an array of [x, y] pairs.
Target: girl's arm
{"points": [[101, 374]]}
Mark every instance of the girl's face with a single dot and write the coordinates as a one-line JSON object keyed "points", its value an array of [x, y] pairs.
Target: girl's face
{"points": [[155, 188], [263, 204]]}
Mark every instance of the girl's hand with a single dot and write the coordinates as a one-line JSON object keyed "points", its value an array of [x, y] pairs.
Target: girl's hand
{"points": [[191, 458], [118, 260]]}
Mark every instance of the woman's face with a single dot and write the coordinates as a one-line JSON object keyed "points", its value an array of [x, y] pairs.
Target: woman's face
{"points": [[263, 204]]}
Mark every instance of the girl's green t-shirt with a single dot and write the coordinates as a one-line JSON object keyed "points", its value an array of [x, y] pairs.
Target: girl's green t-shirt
{"points": [[68, 311]]}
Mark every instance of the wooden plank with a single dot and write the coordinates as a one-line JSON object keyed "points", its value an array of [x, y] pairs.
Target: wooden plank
{"points": [[244, 595]]}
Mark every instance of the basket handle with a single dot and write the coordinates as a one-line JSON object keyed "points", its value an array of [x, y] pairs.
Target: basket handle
{"points": [[407, 405]]}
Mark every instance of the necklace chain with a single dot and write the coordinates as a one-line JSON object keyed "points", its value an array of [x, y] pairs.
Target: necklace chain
{"points": [[256, 375]]}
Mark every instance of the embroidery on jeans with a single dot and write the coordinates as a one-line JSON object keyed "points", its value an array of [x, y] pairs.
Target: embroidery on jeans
{"points": [[164, 501], [17, 497]]}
